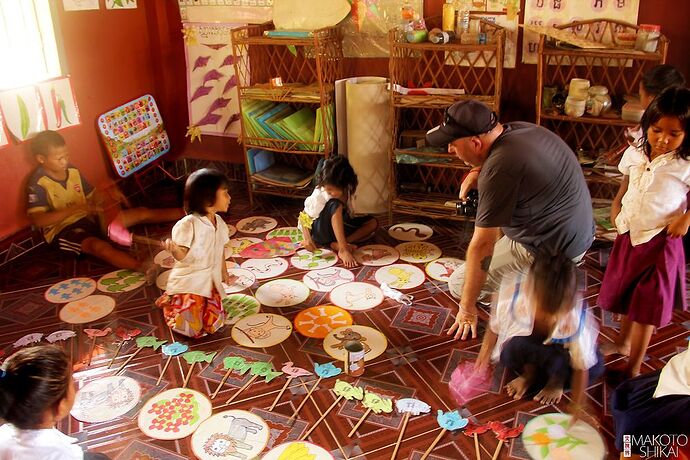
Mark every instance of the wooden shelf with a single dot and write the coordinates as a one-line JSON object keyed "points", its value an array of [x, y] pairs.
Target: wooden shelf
{"points": [[427, 204], [437, 101], [589, 119], [284, 146], [293, 93]]}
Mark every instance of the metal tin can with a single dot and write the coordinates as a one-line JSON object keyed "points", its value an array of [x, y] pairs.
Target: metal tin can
{"points": [[354, 365]]}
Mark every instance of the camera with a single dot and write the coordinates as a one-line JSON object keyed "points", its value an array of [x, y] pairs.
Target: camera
{"points": [[468, 207]]}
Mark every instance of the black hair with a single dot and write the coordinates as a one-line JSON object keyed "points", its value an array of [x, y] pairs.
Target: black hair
{"points": [[338, 172], [42, 142], [660, 77], [36, 379], [553, 279], [200, 189], [672, 102]]}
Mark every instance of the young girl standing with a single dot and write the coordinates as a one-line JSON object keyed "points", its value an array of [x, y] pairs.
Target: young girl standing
{"points": [[645, 276], [326, 219], [192, 300]]}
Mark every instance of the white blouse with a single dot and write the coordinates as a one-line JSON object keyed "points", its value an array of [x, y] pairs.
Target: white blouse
{"points": [[657, 192], [200, 270], [44, 444], [314, 204]]}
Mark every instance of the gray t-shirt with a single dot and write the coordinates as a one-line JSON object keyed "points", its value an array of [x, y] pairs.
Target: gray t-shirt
{"points": [[531, 185]]}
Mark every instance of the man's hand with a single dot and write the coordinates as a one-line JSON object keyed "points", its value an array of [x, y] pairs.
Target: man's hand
{"points": [[465, 323], [469, 183]]}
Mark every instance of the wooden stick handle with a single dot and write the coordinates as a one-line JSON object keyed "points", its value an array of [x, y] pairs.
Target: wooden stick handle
{"points": [[189, 374], [222, 382], [117, 352], [476, 446], [433, 444], [406, 418], [93, 346], [361, 420], [131, 357], [498, 449], [323, 416], [165, 368], [244, 387], [304, 401], [146, 240], [282, 390]]}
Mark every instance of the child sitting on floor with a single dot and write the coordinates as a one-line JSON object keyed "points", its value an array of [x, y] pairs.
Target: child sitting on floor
{"points": [[326, 219]]}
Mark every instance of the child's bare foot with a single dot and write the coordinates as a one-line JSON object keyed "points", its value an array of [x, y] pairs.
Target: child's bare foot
{"points": [[550, 394], [615, 348], [517, 387], [349, 246]]}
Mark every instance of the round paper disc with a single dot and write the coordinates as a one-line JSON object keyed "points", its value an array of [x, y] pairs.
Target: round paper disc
{"points": [[164, 259], [121, 281], [374, 341], [162, 280], [231, 230], [318, 321], [376, 255], [400, 276], [298, 450], [266, 268], [257, 224], [441, 269], [356, 296], [548, 436], [294, 233], [326, 279], [237, 245], [237, 306], [231, 435], [261, 330], [174, 414], [418, 252], [321, 258], [282, 293], [87, 310], [410, 232], [69, 290], [105, 399], [245, 279]]}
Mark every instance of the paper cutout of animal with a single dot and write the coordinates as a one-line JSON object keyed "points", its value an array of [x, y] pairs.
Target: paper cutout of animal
{"points": [[503, 433], [261, 330], [174, 349], [347, 391], [273, 247], [327, 370], [293, 371], [28, 339], [198, 357], [60, 335], [149, 341], [229, 444], [402, 277], [353, 298], [376, 403], [451, 420], [471, 429], [264, 369], [370, 255], [348, 335], [255, 224], [412, 406], [236, 363], [93, 333], [126, 334]]}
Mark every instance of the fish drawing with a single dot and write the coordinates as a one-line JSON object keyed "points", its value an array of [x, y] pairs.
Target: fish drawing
{"points": [[149, 341], [198, 357], [327, 370], [347, 391], [174, 349]]}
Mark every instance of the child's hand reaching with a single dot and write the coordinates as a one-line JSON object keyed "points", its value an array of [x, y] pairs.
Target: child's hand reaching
{"points": [[678, 226], [309, 245]]}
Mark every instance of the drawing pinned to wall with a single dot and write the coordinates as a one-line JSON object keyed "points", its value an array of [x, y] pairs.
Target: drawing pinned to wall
{"points": [[60, 105], [22, 112], [80, 5], [120, 4]]}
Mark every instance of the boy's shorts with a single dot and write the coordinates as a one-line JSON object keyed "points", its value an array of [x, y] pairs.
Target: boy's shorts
{"points": [[71, 237], [322, 230]]}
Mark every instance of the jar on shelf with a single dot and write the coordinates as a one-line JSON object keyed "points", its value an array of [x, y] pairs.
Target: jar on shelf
{"points": [[575, 107], [599, 101], [647, 37], [578, 88], [632, 111]]}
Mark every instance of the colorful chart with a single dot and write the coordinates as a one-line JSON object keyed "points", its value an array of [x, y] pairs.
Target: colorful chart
{"points": [[69, 290], [321, 258], [410, 232], [547, 436], [237, 306], [261, 330], [297, 450], [237, 245], [231, 434], [87, 310], [376, 255], [121, 281], [441, 269], [256, 224], [400, 276], [164, 259], [373, 340], [162, 280], [174, 414], [294, 233], [317, 322], [133, 134], [418, 252], [357, 296], [282, 293], [106, 399], [266, 268], [245, 279], [327, 279]]}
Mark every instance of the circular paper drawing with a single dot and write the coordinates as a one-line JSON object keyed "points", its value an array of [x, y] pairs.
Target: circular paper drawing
{"points": [[231, 434], [297, 450], [231, 264], [376, 255], [357, 296], [231, 230], [266, 268], [441, 269], [87, 309], [258, 224], [282, 293], [162, 280], [321, 258], [174, 414], [69, 290], [245, 279], [261, 330], [374, 341], [121, 281], [548, 436], [164, 259], [237, 306], [418, 252], [410, 232], [400, 276], [326, 279], [106, 399], [294, 233], [318, 321], [237, 245]]}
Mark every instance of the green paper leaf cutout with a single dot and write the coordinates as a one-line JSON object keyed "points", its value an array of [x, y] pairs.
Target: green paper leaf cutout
{"points": [[24, 116]]}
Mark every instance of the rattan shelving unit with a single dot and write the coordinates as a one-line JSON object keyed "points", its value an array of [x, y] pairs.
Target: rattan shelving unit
{"points": [[308, 68], [424, 187]]}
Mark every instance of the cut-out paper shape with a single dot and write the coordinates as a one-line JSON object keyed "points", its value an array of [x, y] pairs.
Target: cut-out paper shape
{"points": [[231, 230], [87, 310], [165, 259], [441, 269], [238, 306], [356, 296], [466, 383], [147, 341], [170, 350], [124, 335], [373, 341], [448, 421], [294, 233], [282, 293], [321, 258], [244, 279], [418, 252], [235, 246], [22, 112], [60, 335], [93, 335], [121, 281], [323, 371], [266, 268], [343, 390], [400, 276], [119, 234], [472, 430], [404, 299], [232, 434], [272, 247], [256, 224], [201, 61], [551, 436], [106, 399], [173, 414], [317, 322], [373, 403], [261, 330], [256, 369], [162, 280], [505, 434], [80, 5], [376, 255], [60, 106], [70, 290], [291, 372], [297, 450], [120, 4], [327, 279], [28, 339], [408, 407], [410, 232], [230, 364], [193, 357]]}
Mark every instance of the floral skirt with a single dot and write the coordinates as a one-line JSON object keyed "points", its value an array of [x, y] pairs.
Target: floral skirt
{"points": [[192, 315]]}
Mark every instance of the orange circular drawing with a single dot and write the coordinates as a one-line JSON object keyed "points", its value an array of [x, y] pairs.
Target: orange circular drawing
{"points": [[317, 322]]}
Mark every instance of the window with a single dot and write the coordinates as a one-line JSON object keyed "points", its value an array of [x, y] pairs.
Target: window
{"points": [[28, 47]]}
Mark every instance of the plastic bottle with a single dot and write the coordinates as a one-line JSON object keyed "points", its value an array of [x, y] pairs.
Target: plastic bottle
{"points": [[440, 37], [463, 25], [448, 16]]}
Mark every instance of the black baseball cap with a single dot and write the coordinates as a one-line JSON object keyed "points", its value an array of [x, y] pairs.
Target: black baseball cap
{"points": [[462, 119]]}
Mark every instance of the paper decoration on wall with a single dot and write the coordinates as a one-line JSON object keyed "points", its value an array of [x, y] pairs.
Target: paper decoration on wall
{"points": [[298, 450], [266, 268], [164, 259], [282, 293], [321, 258], [235, 246], [142, 342], [87, 310], [244, 279], [554, 12], [294, 233], [323, 371], [232, 434], [548, 436], [60, 105], [242, 11], [60, 335], [106, 399], [121, 281], [309, 14], [418, 252], [327, 279], [80, 5], [124, 335], [261, 330], [343, 390], [69, 290], [441, 268], [400, 276], [408, 407], [120, 4], [317, 322], [356, 296], [256, 224], [173, 414], [237, 306], [162, 280], [272, 247], [373, 340], [410, 232], [292, 372], [22, 112], [170, 350], [376, 255], [503, 13]]}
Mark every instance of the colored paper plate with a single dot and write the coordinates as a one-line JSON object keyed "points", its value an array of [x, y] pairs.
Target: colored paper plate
{"points": [[441, 269], [164, 259], [548, 436], [256, 224], [105, 399], [297, 450], [317, 322], [261, 330], [294, 233], [231, 434], [400, 276], [87, 310], [237, 306], [245, 279], [266, 268], [373, 340], [69, 290], [321, 258], [418, 252], [376, 255], [174, 414], [235, 246], [121, 281]]}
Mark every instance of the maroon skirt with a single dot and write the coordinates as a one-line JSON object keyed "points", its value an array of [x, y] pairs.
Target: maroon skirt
{"points": [[646, 282]]}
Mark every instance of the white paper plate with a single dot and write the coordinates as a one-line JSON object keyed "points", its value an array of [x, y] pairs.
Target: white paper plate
{"points": [[410, 232], [282, 293], [326, 279], [400, 276], [356, 296], [106, 399], [418, 252]]}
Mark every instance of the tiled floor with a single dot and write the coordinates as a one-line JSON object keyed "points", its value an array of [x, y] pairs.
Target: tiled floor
{"points": [[418, 361]]}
